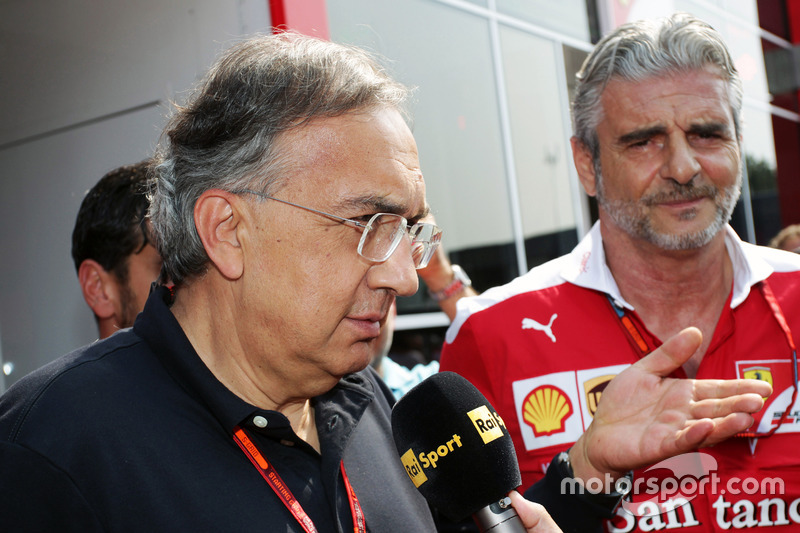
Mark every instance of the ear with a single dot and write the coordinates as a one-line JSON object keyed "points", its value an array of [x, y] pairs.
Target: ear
{"points": [[99, 288], [218, 221], [584, 164]]}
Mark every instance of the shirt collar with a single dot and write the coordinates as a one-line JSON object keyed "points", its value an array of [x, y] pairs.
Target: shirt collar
{"points": [[588, 268], [162, 332]]}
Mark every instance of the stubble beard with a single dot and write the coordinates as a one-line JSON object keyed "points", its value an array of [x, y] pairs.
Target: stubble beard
{"points": [[128, 304], [634, 219]]}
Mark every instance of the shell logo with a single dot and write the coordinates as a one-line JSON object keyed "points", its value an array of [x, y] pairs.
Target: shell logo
{"points": [[546, 410]]}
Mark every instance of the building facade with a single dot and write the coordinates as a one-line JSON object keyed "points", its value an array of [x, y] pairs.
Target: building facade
{"points": [[87, 87]]}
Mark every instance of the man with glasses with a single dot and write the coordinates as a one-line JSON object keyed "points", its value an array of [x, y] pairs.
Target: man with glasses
{"points": [[657, 115], [288, 209]]}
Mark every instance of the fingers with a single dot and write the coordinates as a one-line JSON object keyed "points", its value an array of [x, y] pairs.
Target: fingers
{"points": [[718, 408], [722, 388], [694, 435], [533, 515], [706, 432], [672, 354]]}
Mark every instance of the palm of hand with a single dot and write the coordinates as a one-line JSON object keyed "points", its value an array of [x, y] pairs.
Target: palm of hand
{"points": [[644, 417]]}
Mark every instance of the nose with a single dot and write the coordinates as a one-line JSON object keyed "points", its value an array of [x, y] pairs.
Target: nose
{"points": [[680, 163], [397, 273]]}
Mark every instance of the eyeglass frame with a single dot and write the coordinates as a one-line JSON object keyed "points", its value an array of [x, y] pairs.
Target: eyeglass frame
{"points": [[430, 247]]}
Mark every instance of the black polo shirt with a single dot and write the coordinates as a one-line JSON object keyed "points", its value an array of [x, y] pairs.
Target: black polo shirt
{"points": [[134, 433]]}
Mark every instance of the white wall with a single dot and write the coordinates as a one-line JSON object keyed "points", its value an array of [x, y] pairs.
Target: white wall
{"points": [[85, 87]]}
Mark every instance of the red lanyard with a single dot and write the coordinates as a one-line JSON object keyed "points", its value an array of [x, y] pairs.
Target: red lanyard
{"points": [[633, 334], [275, 482], [769, 296]]}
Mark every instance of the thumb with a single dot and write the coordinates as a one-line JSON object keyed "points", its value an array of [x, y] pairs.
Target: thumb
{"points": [[672, 354], [532, 515]]}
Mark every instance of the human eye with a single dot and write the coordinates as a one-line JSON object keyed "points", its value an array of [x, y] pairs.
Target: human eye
{"points": [[363, 219], [642, 139], [708, 134], [642, 145]]}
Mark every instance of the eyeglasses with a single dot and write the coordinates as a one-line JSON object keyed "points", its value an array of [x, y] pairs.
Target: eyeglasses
{"points": [[381, 234]]}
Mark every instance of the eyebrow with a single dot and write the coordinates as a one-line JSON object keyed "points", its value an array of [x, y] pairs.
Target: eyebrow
{"points": [[380, 204], [710, 128], [641, 135], [695, 129]]}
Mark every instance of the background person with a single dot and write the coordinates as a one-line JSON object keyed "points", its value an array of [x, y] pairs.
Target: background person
{"points": [[446, 283], [787, 239], [657, 140], [112, 248], [399, 378]]}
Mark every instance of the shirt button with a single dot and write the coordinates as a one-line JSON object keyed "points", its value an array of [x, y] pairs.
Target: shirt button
{"points": [[260, 421]]}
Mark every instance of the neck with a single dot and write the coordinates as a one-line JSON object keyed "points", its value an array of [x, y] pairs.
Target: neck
{"points": [[205, 317], [301, 417], [671, 290]]}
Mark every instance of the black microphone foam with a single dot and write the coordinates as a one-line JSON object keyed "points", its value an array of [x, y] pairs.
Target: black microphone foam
{"points": [[454, 446]]}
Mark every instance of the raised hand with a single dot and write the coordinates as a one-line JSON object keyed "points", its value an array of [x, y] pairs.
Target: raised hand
{"points": [[644, 417]]}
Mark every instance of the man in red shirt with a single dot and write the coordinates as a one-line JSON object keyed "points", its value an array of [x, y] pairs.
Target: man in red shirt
{"points": [[657, 121]]}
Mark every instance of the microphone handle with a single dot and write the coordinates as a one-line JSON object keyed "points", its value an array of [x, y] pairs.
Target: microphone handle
{"points": [[499, 517]]}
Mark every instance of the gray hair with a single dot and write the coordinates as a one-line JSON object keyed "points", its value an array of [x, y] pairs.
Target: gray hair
{"points": [[643, 49], [225, 135]]}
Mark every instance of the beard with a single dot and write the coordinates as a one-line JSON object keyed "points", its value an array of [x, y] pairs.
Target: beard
{"points": [[634, 218], [128, 304]]}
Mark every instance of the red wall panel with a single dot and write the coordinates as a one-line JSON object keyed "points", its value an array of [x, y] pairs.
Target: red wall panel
{"points": [[309, 17]]}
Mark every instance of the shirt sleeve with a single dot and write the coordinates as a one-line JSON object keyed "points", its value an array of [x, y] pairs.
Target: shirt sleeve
{"points": [[35, 495], [464, 356], [573, 512]]}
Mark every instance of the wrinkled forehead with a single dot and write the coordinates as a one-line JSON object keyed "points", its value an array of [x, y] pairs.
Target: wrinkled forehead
{"points": [[707, 84], [700, 90], [369, 154]]}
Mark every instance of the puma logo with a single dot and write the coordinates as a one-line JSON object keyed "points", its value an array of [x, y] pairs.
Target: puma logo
{"points": [[529, 323]]}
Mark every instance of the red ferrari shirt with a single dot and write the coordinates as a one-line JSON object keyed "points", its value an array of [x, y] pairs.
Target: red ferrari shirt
{"points": [[543, 348]]}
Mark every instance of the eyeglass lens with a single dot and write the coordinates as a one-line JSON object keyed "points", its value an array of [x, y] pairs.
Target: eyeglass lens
{"points": [[384, 232]]}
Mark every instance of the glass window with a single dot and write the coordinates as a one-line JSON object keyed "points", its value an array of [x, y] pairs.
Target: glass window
{"points": [[540, 140], [745, 10], [748, 56], [781, 65], [564, 16], [759, 153], [447, 54], [772, 18]]}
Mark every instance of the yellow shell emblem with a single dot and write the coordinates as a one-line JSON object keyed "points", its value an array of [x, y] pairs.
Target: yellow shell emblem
{"points": [[546, 409]]}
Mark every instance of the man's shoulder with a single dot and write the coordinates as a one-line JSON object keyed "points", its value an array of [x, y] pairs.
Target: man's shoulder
{"points": [[37, 496], [542, 282], [76, 379]]}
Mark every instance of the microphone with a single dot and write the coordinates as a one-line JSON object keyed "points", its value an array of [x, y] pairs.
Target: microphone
{"points": [[458, 452]]}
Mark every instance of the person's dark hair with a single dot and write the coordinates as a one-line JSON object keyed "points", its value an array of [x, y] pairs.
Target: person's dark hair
{"points": [[110, 224], [643, 49], [225, 135]]}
